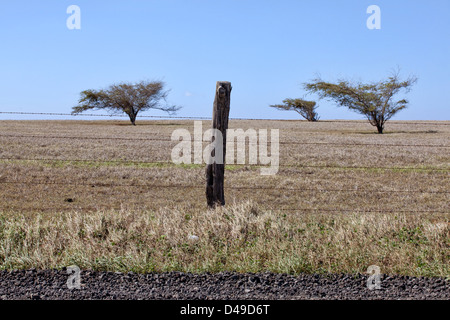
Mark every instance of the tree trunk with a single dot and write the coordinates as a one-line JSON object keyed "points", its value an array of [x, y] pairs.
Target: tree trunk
{"points": [[380, 128], [215, 172], [132, 118]]}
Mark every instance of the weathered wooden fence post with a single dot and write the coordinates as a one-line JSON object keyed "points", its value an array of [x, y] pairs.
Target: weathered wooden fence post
{"points": [[215, 172]]}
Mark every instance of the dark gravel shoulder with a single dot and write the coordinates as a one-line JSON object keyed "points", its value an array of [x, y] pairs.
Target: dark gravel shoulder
{"points": [[53, 285]]}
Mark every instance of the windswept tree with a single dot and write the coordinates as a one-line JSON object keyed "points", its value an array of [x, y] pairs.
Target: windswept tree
{"points": [[130, 98], [307, 109], [373, 100]]}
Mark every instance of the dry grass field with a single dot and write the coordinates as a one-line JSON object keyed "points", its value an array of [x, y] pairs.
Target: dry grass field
{"points": [[105, 195]]}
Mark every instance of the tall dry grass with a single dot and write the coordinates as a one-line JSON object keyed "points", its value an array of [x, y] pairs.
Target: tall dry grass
{"points": [[239, 237]]}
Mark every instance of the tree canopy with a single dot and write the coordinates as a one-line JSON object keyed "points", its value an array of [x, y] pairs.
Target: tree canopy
{"points": [[374, 100], [130, 98], [307, 109]]}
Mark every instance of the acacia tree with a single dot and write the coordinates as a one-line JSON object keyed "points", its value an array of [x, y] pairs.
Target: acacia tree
{"points": [[373, 100], [307, 109], [130, 98]]}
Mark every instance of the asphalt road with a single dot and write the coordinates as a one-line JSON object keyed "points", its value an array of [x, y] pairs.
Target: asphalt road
{"points": [[54, 285]]}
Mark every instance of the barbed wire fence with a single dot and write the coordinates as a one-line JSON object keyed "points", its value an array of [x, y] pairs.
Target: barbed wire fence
{"points": [[191, 186], [169, 163], [250, 142], [209, 118]]}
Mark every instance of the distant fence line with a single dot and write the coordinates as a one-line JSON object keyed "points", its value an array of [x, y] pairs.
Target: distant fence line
{"points": [[298, 166], [34, 209], [174, 141], [208, 118], [188, 186]]}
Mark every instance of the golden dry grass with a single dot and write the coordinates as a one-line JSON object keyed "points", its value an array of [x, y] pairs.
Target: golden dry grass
{"points": [[148, 226], [239, 238]]}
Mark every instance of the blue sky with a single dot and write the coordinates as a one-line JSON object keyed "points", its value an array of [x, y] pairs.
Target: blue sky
{"points": [[267, 49]]}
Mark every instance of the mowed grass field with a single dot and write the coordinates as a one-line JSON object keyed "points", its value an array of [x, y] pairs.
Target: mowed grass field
{"points": [[104, 195]]}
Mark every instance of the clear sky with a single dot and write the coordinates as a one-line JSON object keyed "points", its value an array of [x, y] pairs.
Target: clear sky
{"points": [[266, 49]]}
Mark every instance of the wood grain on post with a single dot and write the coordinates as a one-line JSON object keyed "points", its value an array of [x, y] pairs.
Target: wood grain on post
{"points": [[215, 172]]}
